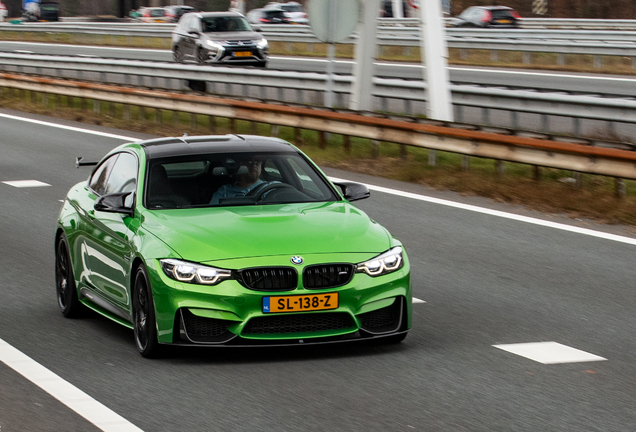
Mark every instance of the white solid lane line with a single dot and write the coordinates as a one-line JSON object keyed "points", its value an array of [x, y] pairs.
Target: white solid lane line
{"points": [[501, 214], [84, 405], [71, 128]]}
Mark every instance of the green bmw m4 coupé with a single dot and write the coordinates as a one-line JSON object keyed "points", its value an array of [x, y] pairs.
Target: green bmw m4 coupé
{"points": [[227, 240]]}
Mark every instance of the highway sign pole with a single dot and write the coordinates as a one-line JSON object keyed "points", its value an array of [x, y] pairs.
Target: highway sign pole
{"points": [[435, 59], [398, 12], [362, 90]]}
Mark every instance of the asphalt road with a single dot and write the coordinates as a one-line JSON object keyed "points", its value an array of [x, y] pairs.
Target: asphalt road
{"points": [[576, 83], [486, 280]]}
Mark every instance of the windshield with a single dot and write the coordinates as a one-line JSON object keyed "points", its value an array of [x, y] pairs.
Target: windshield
{"points": [[234, 179], [225, 24]]}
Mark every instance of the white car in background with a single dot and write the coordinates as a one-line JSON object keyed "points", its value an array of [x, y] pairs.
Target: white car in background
{"points": [[293, 11]]}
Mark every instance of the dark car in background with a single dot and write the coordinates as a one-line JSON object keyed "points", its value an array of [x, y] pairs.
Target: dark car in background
{"points": [[174, 13], [218, 38], [268, 16], [487, 17]]}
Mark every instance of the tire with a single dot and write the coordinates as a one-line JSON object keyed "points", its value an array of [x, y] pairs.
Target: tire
{"points": [[201, 56], [65, 287], [143, 314], [177, 54]]}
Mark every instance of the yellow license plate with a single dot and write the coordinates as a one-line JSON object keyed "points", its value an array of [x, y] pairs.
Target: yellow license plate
{"points": [[300, 303], [505, 21], [242, 54]]}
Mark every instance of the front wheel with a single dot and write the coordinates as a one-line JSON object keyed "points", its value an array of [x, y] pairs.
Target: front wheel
{"points": [[202, 56], [144, 323], [177, 54], [66, 291]]}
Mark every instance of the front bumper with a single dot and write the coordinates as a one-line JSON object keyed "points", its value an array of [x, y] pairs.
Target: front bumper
{"points": [[235, 54], [230, 314]]}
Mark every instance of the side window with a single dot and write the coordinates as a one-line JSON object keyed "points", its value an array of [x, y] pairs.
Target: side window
{"points": [[123, 176], [98, 180]]}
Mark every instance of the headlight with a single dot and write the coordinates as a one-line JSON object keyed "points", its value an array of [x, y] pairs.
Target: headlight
{"points": [[388, 262], [261, 44], [213, 44], [184, 271]]}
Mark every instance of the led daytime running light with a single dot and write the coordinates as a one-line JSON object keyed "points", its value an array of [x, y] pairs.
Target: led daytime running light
{"points": [[386, 263], [183, 271]]}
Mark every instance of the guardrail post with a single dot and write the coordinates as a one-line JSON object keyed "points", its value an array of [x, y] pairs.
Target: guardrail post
{"points": [[536, 172], [500, 167], [158, 116], [254, 127], [432, 158], [577, 179], [212, 124], [97, 106], [633, 62], [598, 62], [561, 59], [485, 116], [45, 99], [275, 131], [404, 153], [375, 149], [494, 55], [577, 126], [527, 58], [545, 122], [346, 140], [126, 112], [322, 139], [298, 136], [193, 120], [465, 163], [232, 125], [621, 188], [112, 108], [142, 114], [310, 47], [463, 54], [514, 118]]}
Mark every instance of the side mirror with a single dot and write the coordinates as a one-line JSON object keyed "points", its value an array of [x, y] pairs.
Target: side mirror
{"points": [[114, 203], [194, 32], [257, 28], [354, 191]]}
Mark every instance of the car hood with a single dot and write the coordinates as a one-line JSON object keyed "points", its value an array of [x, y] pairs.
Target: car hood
{"points": [[211, 234], [233, 36]]}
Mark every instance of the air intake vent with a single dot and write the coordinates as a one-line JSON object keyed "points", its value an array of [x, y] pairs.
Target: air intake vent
{"points": [[301, 323]]}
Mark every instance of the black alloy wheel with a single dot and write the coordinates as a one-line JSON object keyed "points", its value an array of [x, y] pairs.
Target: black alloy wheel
{"points": [[143, 311], [65, 281], [202, 55], [177, 54]]}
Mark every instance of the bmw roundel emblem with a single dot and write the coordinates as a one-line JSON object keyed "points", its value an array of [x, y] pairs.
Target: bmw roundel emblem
{"points": [[297, 260]]}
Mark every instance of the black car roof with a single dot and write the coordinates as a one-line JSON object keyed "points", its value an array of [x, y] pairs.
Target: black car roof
{"points": [[181, 146]]}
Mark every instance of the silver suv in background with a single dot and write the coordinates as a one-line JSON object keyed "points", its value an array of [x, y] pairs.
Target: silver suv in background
{"points": [[218, 38]]}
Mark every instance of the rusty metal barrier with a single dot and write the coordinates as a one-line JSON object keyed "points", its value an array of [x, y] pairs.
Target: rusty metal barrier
{"points": [[617, 163]]}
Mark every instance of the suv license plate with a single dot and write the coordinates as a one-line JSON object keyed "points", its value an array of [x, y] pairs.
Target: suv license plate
{"points": [[300, 303], [242, 54]]}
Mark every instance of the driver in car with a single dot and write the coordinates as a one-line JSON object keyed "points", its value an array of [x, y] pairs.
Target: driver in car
{"points": [[244, 183]]}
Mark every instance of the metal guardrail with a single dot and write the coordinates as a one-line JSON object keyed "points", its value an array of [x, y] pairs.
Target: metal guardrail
{"points": [[622, 44], [391, 95], [594, 160]]}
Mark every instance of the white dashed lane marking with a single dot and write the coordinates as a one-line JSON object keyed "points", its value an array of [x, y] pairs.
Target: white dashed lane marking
{"points": [[549, 352], [26, 183]]}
